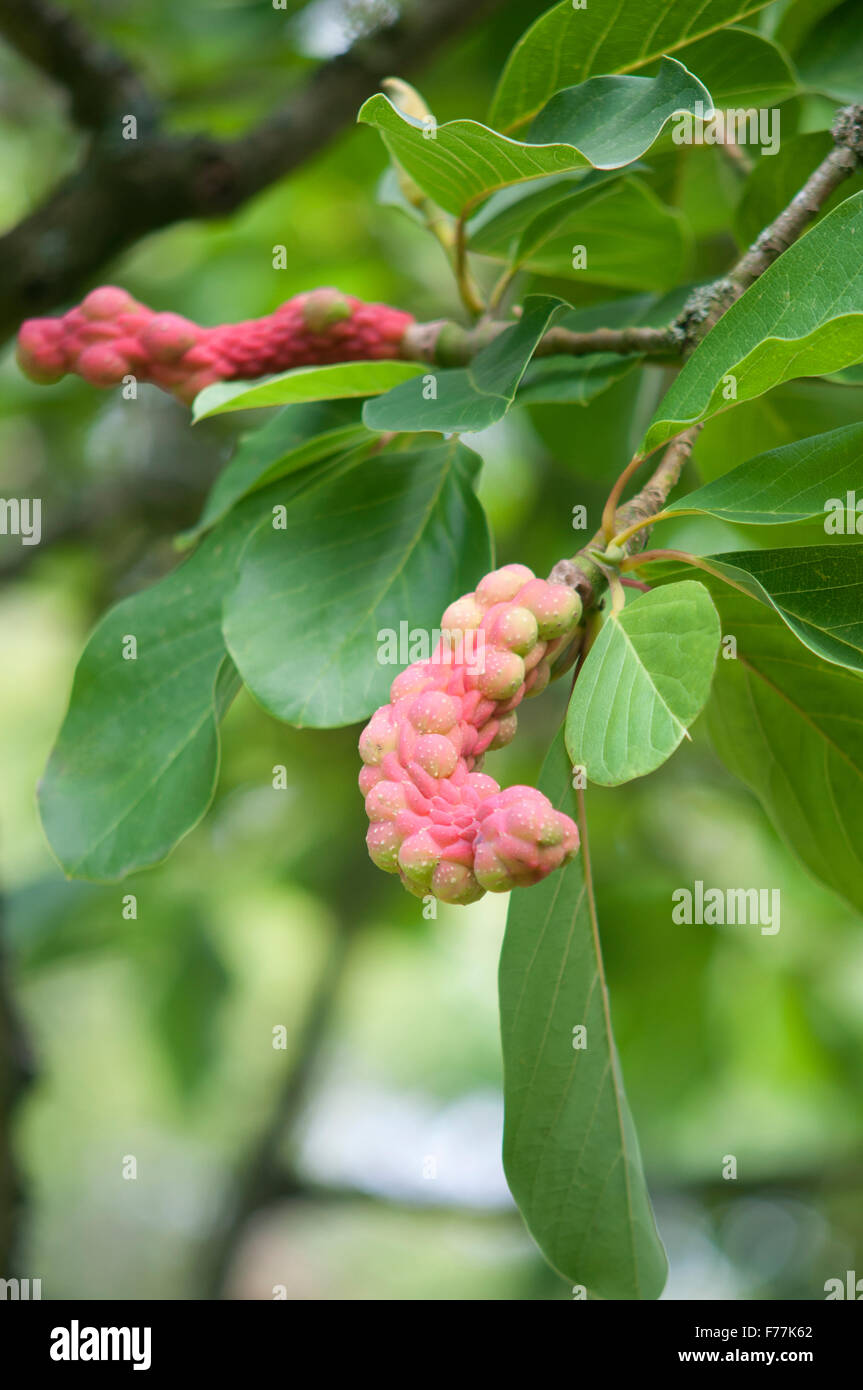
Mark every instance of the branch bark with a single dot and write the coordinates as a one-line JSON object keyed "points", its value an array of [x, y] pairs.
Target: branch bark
{"points": [[126, 189], [16, 1075], [707, 306], [842, 161], [582, 572], [100, 82], [448, 344], [260, 1176]]}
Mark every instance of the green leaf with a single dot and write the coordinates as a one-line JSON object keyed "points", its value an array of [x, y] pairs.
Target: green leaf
{"points": [[791, 727], [495, 229], [468, 398], [329, 383], [782, 416], [50, 921], [831, 59], [791, 483], [185, 1014], [589, 443], [774, 181], [368, 547], [816, 589], [848, 376], [568, 45], [561, 379], [573, 380], [790, 23], [136, 761], [297, 436], [390, 194], [656, 259], [135, 764], [615, 120], [570, 1149], [705, 189], [605, 123], [741, 69], [803, 317], [645, 679]]}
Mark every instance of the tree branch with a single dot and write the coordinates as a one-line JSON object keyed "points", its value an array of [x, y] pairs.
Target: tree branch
{"points": [[100, 82], [706, 307], [448, 344], [126, 189], [260, 1176], [842, 161], [16, 1075], [842, 1177]]}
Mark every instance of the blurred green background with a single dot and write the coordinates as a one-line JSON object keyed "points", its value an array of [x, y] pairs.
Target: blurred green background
{"points": [[153, 1036]]}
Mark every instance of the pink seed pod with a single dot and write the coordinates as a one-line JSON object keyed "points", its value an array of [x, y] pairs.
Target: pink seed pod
{"points": [[380, 736], [101, 365], [41, 352], [412, 681], [522, 838], [503, 674], [107, 302], [167, 337], [538, 679], [517, 629], [438, 822], [434, 712], [436, 755], [556, 607], [368, 778], [386, 801], [462, 616], [507, 729], [419, 857], [384, 842], [319, 327], [455, 883], [503, 584]]}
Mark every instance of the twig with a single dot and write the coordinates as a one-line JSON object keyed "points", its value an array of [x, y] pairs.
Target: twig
{"points": [[126, 189], [260, 1174], [844, 1177], [626, 524], [467, 287], [706, 306], [841, 162], [643, 341], [17, 1073], [736, 156], [449, 344], [100, 82], [622, 523]]}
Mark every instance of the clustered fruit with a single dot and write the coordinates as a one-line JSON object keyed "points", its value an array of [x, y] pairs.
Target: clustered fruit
{"points": [[110, 336], [438, 822]]}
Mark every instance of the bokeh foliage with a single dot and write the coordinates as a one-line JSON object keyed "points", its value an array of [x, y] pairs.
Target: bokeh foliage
{"points": [[154, 1033]]}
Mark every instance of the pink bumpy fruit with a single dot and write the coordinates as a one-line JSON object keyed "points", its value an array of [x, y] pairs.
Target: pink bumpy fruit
{"points": [[445, 827], [110, 335]]}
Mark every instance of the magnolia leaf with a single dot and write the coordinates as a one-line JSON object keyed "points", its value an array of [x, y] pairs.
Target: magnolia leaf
{"points": [[645, 680]]}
